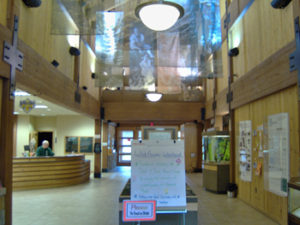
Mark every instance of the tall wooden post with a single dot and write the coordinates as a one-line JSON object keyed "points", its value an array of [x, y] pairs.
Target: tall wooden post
{"points": [[6, 148], [229, 100], [97, 156]]}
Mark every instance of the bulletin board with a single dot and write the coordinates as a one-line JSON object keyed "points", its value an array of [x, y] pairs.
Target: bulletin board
{"points": [[71, 144], [276, 172], [79, 144], [158, 173], [245, 150], [86, 144]]}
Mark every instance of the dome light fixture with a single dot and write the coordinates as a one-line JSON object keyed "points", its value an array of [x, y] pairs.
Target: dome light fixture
{"points": [[153, 96], [159, 15]]}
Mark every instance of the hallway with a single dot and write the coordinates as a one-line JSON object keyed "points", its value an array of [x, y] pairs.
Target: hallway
{"points": [[96, 203]]}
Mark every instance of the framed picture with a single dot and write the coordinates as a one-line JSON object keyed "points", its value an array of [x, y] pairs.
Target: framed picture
{"points": [[86, 144], [71, 144]]}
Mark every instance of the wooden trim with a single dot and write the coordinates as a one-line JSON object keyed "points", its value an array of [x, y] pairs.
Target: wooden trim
{"points": [[6, 148], [269, 77], [40, 78], [159, 111]]}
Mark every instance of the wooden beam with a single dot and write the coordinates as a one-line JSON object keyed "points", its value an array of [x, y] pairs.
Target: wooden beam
{"points": [[148, 111], [270, 76], [6, 148], [42, 79]]}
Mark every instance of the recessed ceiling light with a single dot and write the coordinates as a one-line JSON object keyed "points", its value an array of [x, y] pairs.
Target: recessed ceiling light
{"points": [[16, 113], [41, 107]]}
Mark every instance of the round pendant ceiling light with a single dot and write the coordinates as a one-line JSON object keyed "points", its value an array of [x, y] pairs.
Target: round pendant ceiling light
{"points": [[153, 97], [159, 15]]}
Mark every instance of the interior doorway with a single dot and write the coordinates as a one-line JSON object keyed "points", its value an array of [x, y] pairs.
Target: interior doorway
{"points": [[45, 135]]}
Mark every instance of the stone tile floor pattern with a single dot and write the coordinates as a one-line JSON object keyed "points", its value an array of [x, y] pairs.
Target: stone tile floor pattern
{"points": [[96, 203]]}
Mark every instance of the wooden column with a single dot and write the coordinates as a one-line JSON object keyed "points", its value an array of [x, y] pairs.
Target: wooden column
{"points": [[104, 133], [199, 147], [97, 156], [6, 148]]}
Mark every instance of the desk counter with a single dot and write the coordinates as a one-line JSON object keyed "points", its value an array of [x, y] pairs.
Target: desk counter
{"points": [[49, 172]]}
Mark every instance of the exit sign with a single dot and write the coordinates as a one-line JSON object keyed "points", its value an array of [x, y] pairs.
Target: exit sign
{"points": [[139, 211]]}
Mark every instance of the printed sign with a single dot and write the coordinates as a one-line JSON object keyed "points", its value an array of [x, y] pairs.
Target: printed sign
{"points": [[158, 173], [139, 211], [245, 148], [279, 148]]}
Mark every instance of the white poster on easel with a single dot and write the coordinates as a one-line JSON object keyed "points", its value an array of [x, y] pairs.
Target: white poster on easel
{"points": [[278, 154], [158, 173], [245, 149]]}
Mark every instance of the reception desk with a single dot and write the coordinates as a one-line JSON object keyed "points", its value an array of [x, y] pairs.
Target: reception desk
{"points": [[49, 172]]}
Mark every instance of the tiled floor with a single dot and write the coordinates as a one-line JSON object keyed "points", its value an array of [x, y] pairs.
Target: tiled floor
{"points": [[97, 203]]}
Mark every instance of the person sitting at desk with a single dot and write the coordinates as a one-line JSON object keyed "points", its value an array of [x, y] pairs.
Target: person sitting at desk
{"points": [[44, 150]]}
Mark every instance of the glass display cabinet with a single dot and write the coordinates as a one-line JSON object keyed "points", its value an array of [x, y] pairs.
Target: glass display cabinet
{"points": [[294, 201], [216, 157]]}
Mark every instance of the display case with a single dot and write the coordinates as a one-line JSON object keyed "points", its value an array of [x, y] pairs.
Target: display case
{"points": [[216, 149], [216, 146], [294, 201]]}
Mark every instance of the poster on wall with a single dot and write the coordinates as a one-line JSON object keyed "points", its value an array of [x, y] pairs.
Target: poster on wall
{"points": [[158, 173], [245, 149], [278, 154]]}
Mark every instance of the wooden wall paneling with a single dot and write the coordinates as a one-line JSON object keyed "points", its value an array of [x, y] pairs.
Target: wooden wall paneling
{"points": [[236, 39], [6, 147], [223, 81], [191, 146], [254, 192], [148, 111], [265, 31], [60, 52], [87, 67], [5, 35], [35, 31], [269, 77], [3, 12], [41, 78]]}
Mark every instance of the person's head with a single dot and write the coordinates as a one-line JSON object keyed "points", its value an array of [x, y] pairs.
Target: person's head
{"points": [[45, 144]]}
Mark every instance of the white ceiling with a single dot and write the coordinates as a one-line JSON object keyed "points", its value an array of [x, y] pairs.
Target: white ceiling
{"points": [[52, 110]]}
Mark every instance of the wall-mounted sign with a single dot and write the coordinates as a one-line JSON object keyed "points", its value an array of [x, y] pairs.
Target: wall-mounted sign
{"points": [[139, 211], [27, 105]]}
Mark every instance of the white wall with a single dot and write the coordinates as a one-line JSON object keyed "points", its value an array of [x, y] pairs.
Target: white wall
{"points": [[74, 126], [24, 127], [61, 126]]}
